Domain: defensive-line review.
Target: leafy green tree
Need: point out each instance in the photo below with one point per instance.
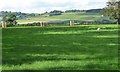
(112, 10)
(10, 19)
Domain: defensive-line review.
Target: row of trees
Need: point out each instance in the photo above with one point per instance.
(55, 12)
(74, 10)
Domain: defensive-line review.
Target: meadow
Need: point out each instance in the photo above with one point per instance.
(80, 47)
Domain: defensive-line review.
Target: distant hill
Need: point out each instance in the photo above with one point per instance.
(74, 10)
(87, 11)
(93, 11)
(19, 15)
(56, 16)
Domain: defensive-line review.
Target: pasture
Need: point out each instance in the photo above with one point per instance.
(60, 47)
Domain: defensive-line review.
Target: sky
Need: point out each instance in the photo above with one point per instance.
(40, 6)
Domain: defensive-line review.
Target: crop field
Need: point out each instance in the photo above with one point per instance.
(79, 47)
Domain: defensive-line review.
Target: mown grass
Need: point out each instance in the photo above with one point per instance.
(60, 47)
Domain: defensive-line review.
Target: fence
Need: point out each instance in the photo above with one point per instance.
(65, 23)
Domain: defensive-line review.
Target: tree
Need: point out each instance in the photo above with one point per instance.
(55, 12)
(112, 10)
(10, 19)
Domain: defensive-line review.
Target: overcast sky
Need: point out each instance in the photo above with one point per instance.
(40, 6)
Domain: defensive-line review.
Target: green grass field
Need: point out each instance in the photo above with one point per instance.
(60, 47)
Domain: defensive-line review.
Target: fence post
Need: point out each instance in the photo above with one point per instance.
(71, 23)
(3, 24)
(41, 24)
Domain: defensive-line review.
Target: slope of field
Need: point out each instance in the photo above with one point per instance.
(64, 16)
(55, 48)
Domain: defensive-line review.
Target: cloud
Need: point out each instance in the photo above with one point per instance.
(47, 5)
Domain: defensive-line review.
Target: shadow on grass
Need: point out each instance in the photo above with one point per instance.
(27, 54)
(86, 67)
(24, 47)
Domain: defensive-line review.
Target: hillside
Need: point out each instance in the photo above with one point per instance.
(82, 16)
(56, 15)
